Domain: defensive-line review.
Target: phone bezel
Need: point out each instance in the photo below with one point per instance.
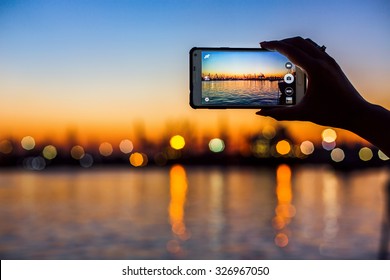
(196, 82)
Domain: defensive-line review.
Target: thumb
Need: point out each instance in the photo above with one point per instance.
(280, 114)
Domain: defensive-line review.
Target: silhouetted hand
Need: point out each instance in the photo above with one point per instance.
(330, 99)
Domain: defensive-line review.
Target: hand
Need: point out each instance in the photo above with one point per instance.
(330, 98)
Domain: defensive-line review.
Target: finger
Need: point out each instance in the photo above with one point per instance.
(322, 49)
(293, 53)
(280, 114)
(306, 45)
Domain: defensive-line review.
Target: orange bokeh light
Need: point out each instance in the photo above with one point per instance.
(283, 147)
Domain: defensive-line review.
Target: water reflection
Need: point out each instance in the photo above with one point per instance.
(284, 210)
(178, 193)
(191, 213)
(330, 198)
(217, 218)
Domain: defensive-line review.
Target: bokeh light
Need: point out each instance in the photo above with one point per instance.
(283, 147)
(307, 147)
(365, 154)
(329, 135)
(105, 149)
(38, 163)
(86, 161)
(6, 147)
(138, 159)
(216, 145)
(178, 191)
(328, 145)
(284, 209)
(337, 155)
(382, 155)
(177, 142)
(269, 132)
(34, 163)
(77, 152)
(261, 148)
(281, 240)
(28, 143)
(278, 222)
(49, 152)
(171, 153)
(126, 146)
(173, 246)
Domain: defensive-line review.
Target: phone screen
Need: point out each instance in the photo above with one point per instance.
(246, 78)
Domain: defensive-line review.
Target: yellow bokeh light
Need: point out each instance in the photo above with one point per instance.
(105, 149)
(77, 152)
(138, 159)
(307, 147)
(382, 155)
(216, 145)
(28, 143)
(49, 152)
(261, 148)
(177, 142)
(126, 146)
(329, 135)
(6, 147)
(365, 154)
(283, 147)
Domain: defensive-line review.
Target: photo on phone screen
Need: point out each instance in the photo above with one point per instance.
(243, 78)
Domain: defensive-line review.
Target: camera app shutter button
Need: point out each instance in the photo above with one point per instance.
(289, 78)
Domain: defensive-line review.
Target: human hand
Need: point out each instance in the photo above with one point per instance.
(330, 98)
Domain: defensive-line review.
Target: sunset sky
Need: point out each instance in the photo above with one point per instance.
(99, 68)
(243, 62)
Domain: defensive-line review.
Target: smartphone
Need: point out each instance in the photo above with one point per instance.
(222, 78)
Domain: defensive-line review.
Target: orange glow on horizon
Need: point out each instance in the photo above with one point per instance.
(236, 125)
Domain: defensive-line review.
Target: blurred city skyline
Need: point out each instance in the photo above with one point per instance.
(100, 69)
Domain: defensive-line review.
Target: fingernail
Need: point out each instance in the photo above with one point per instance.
(265, 45)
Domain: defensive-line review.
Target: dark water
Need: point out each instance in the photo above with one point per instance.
(191, 213)
(241, 92)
